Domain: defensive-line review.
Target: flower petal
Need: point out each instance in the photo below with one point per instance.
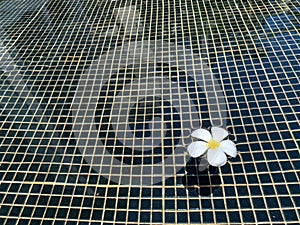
(219, 133)
(229, 148)
(202, 134)
(197, 148)
(216, 157)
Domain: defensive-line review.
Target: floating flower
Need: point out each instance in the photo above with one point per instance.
(213, 145)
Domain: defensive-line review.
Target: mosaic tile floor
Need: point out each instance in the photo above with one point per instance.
(98, 100)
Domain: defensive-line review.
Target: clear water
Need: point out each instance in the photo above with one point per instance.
(253, 51)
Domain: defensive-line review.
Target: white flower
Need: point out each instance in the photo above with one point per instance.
(213, 144)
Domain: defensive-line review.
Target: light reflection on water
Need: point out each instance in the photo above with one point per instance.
(254, 51)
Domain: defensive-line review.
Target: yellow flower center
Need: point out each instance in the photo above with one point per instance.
(212, 144)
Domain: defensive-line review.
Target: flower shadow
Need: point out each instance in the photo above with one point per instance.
(203, 182)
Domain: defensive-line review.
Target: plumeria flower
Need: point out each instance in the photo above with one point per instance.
(212, 145)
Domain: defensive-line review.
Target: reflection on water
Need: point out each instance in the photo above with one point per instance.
(202, 182)
(253, 45)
